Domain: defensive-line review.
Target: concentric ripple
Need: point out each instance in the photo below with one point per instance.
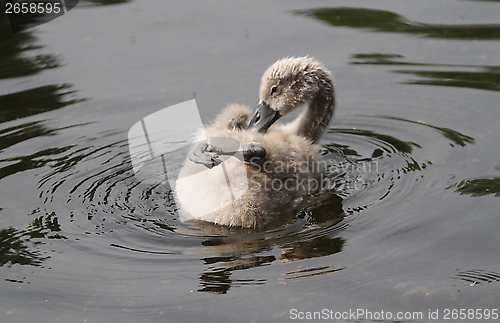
(90, 189)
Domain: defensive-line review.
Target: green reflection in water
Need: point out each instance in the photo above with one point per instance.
(13, 249)
(386, 21)
(36, 100)
(16, 62)
(484, 77)
(45, 227)
(13, 49)
(37, 160)
(52, 156)
(318, 247)
(15, 244)
(14, 135)
(485, 80)
(479, 186)
(390, 145)
(382, 59)
(384, 143)
(343, 150)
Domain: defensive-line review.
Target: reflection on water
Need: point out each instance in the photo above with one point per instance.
(489, 79)
(94, 180)
(218, 280)
(481, 77)
(79, 234)
(14, 135)
(386, 21)
(314, 234)
(310, 272)
(317, 228)
(317, 247)
(478, 276)
(479, 186)
(98, 183)
(13, 50)
(19, 247)
(34, 101)
(14, 249)
(454, 136)
(382, 59)
(316, 231)
(15, 62)
(383, 141)
(235, 256)
(484, 77)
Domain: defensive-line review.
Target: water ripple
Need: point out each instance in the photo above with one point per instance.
(90, 190)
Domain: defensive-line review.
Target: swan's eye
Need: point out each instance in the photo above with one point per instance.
(273, 89)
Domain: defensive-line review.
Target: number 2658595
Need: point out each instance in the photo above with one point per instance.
(33, 8)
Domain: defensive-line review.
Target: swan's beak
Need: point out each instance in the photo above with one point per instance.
(263, 118)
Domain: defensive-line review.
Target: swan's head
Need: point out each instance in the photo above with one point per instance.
(287, 85)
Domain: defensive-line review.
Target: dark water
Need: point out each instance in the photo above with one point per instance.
(410, 222)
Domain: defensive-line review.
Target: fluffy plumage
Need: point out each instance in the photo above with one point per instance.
(292, 163)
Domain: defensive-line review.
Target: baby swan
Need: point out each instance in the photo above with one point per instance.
(280, 163)
(289, 84)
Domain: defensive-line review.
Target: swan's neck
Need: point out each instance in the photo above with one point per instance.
(314, 121)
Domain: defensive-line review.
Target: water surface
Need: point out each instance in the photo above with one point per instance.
(410, 222)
